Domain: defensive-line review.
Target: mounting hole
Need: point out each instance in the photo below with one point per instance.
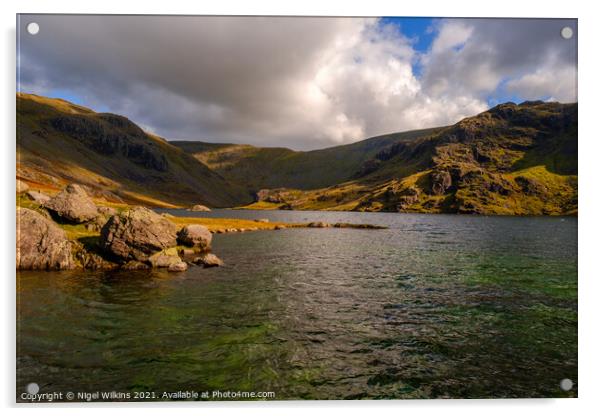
(566, 384)
(32, 388)
(33, 28)
(566, 32)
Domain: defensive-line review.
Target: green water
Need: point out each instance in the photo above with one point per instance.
(435, 306)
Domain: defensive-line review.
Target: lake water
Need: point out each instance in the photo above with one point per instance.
(435, 306)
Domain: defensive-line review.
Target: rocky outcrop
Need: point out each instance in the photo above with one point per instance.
(530, 186)
(200, 208)
(408, 197)
(196, 236)
(275, 196)
(22, 187)
(441, 181)
(38, 197)
(136, 234)
(72, 205)
(41, 244)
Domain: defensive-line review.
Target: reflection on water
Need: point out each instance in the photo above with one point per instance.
(434, 306)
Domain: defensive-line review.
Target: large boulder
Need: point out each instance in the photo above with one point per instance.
(72, 204)
(22, 187)
(41, 244)
(200, 208)
(195, 235)
(136, 234)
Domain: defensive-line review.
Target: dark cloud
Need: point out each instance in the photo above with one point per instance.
(298, 82)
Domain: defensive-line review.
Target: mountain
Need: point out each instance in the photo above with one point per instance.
(511, 159)
(274, 167)
(60, 142)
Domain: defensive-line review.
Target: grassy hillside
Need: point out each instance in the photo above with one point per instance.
(59, 142)
(511, 160)
(273, 167)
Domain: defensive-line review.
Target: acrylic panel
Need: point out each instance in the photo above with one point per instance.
(295, 208)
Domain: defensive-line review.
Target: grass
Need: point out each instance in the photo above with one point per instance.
(222, 224)
(261, 205)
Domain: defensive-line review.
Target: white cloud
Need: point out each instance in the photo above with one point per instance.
(554, 84)
(298, 82)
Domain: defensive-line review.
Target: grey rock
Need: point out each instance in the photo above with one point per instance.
(136, 234)
(41, 244)
(208, 260)
(72, 204)
(195, 235)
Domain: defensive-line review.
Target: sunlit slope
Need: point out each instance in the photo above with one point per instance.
(59, 142)
(510, 160)
(273, 167)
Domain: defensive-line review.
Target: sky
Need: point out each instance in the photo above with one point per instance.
(303, 83)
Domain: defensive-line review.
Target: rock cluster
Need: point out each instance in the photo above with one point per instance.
(134, 239)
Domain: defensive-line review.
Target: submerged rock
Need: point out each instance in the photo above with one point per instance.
(38, 197)
(195, 235)
(41, 244)
(136, 234)
(72, 204)
(208, 260)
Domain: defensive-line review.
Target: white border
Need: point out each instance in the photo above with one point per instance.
(590, 201)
